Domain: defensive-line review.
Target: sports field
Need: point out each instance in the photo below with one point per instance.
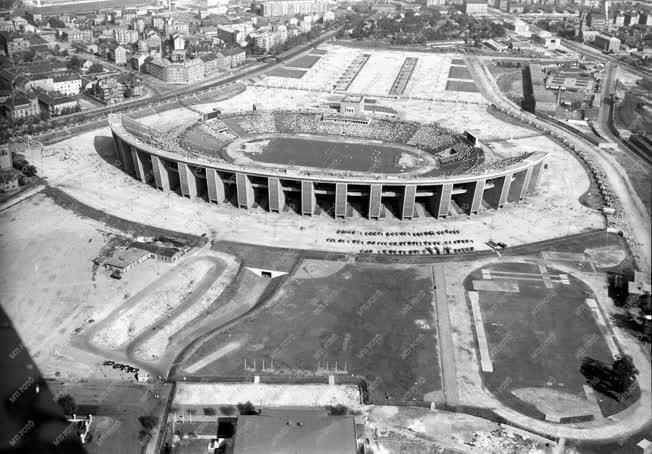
(286, 72)
(374, 320)
(333, 154)
(539, 324)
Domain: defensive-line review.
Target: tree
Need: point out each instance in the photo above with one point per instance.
(148, 421)
(247, 408)
(74, 63)
(227, 410)
(96, 68)
(624, 373)
(28, 170)
(68, 404)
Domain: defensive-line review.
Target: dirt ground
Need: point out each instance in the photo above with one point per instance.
(83, 168)
(266, 395)
(50, 281)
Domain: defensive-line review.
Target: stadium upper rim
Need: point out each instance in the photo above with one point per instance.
(165, 146)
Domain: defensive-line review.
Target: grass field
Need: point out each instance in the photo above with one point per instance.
(378, 320)
(305, 61)
(335, 154)
(631, 114)
(284, 72)
(459, 72)
(538, 336)
(458, 85)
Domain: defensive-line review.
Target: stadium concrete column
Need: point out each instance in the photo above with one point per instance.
(409, 197)
(497, 194)
(478, 193)
(340, 199)
(534, 179)
(308, 198)
(516, 188)
(375, 194)
(245, 190)
(187, 180)
(215, 186)
(275, 194)
(443, 203)
(138, 164)
(526, 182)
(126, 161)
(160, 174)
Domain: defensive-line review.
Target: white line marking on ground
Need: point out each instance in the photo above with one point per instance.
(485, 359)
(206, 360)
(602, 324)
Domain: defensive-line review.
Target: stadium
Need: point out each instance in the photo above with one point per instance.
(330, 160)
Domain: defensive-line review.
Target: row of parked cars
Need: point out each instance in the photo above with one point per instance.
(123, 367)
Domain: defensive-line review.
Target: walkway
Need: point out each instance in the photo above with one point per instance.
(446, 347)
(636, 218)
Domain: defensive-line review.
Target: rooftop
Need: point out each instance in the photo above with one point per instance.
(295, 432)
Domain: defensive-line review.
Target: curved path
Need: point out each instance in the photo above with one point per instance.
(636, 218)
(628, 422)
(124, 352)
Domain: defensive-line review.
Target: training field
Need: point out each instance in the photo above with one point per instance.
(539, 324)
(375, 320)
(429, 80)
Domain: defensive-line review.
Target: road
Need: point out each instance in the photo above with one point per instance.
(90, 116)
(605, 121)
(635, 216)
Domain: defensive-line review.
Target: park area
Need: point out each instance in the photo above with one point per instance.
(333, 318)
(540, 324)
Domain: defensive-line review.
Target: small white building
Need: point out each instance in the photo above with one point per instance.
(546, 39)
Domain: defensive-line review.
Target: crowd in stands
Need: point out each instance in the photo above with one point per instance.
(430, 138)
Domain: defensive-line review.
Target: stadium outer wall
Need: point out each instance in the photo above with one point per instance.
(246, 187)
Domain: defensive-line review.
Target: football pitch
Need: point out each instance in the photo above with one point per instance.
(357, 322)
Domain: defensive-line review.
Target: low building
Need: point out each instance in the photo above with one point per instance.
(20, 107)
(55, 104)
(76, 34)
(5, 157)
(161, 252)
(282, 432)
(212, 64)
(236, 56)
(178, 41)
(108, 90)
(118, 54)
(124, 260)
(67, 84)
(154, 42)
(546, 39)
(606, 43)
(12, 43)
(125, 36)
(597, 21)
(475, 7)
(138, 61)
(570, 81)
(495, 45)
(187, 72)
(9, 179)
